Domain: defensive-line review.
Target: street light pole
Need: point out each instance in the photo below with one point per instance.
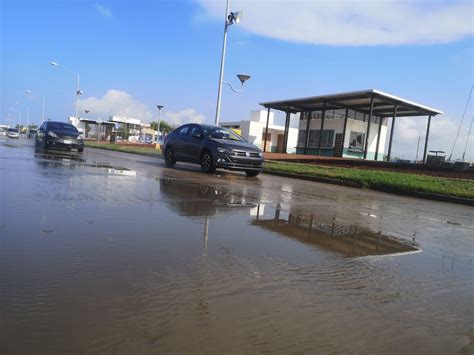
(230, 19)
(78, 90)
(28, 92)
(159, 107)
(42, 113)
(221, 74)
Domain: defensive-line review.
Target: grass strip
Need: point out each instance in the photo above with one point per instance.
(403, 183)
(152, 152)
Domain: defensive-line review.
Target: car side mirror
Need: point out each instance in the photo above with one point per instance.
(197, 135)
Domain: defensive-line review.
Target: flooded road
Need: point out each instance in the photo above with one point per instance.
(112, 253)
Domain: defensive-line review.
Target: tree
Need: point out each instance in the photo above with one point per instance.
(165, 127)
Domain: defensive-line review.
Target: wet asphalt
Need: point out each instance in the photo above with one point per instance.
(113, 253)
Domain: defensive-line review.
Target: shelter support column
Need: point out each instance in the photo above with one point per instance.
(266, 131)
(285, 137)
(426, 139)
(306, 139)
(368, 127)
(323, 116)
(378, 139)
(344, 130)
(395, 109)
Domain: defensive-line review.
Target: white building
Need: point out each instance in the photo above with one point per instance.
(253, 131)
(90, 127)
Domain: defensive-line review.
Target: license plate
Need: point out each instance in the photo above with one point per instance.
(67, 141)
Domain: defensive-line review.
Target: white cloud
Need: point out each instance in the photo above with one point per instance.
(187, 115)
(103, 11)
(350, 22)
(121, 103)
(118, 103)
(442, 134)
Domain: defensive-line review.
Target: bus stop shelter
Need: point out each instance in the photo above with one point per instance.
(374, 103)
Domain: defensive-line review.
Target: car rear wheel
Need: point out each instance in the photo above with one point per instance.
(169, 158)
(207, 163)
(252, 173)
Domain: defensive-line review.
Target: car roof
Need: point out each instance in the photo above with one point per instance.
(61, 122)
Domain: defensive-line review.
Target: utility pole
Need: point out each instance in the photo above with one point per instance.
(467, 139)
(417, 148)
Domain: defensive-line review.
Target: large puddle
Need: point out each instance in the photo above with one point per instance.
(102, 255)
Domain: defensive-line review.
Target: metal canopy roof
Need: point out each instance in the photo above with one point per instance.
(358, 101)
(89, 120)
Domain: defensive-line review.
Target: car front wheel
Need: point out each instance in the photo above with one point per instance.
(169, 158)
(252, 173)
(207, 163)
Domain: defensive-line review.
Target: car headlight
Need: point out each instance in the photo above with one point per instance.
(224, 150)
(80, 136)
(52, 134)
(260, 154)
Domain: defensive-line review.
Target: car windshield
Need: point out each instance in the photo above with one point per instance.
(221, 133)
(13, 130)
(58, 126)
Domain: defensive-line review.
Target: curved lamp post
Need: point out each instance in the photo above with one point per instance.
(78, 90)
(230, 19)
(159, 107)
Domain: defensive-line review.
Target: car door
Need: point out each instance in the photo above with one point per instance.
(179, 142)
(194, 144)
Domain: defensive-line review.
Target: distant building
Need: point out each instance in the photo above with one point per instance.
(90, 127)
(253, 131)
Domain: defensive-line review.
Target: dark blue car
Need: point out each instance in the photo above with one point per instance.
(212, 147)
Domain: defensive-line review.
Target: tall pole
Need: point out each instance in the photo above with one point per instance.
(417, 149)
(426, 139)
(77, 97)
(159, 107)
(467, 139)
(159, 119)
(368, 127)
(42, 113)
(27, 119)
(221, 75)
(266, 133)
(395, 109)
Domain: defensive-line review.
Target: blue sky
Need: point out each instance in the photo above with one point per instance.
(132, 55)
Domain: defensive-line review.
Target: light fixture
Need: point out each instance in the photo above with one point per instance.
(243, 78)
(234, 17)
(54, 64)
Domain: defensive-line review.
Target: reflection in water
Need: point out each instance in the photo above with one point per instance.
(71, 159)
(350, 240)
(197, 199)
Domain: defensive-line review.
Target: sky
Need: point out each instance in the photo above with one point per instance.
(133, 55)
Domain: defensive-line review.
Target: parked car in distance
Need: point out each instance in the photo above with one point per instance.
(13, 133)
(212, 147)
(62, 135)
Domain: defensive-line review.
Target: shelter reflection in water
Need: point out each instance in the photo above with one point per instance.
(202, 200)
(349, 240)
